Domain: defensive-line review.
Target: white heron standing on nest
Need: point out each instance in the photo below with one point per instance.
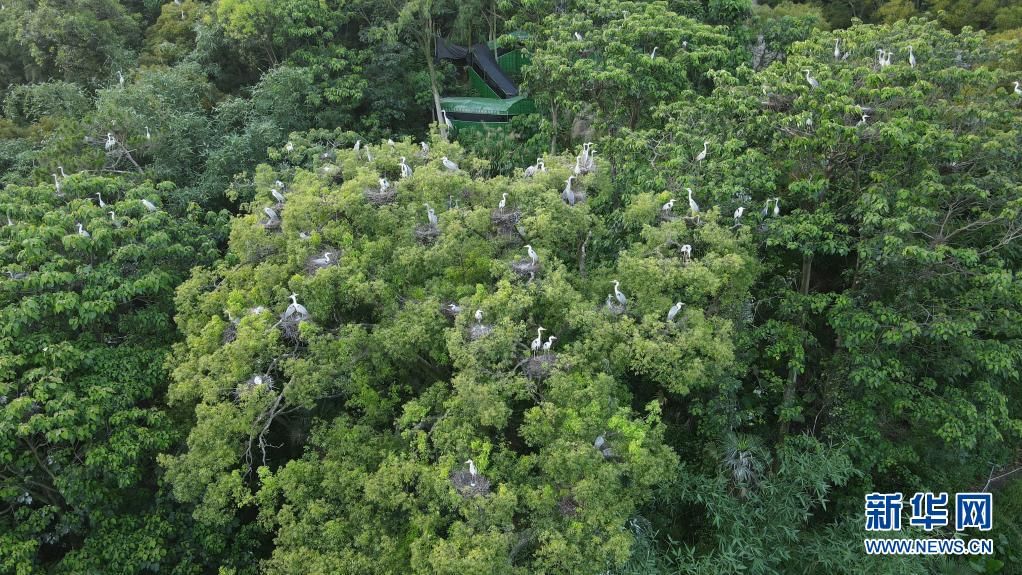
(538, 342)
(449, 165)
(618, 295)
(692, 205)
(532, 254)
(673, 312)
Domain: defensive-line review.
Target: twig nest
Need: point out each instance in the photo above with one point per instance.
(539, 366)
(526, 269)
(450, 309)
(469, 485)
(506, 220)
(567, 506)
(230, 333)
(270, 224)
(330, 171)
(779, 102)
(253, 383)
(329, 256)
(427, 233)
(666, 216)
(260, 253)
(614, 308)
(290, 330)
(479, 331)
(378, 197)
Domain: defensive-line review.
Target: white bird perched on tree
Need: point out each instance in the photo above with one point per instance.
(295, 310)
(424, 149)
(766, 208)
(289, 147)
(692, 205)
(431, 215)
(61, 170)
(447, 121)
(578, 36)
(738, 214)
(911, 57)
(111, 142)
(812, 81)
(479, 316)
(686, 252)
(148, 205)
(538, 342)
(652, 55)
(449, 165)
(406, 170)
(56, 185)
(862, 121)
(667, 207)
(472, 471)
(549, 343)
(324, 260)
(618, 295)
(1018, 88)
(113, 220)
(357, 146)
(532, 254)
(837, 49)
(148, 134)
(384, 185)
(81, 231)
(503, 202)
(277, 195)
(673, 312)
(702, 155)
(569, 194)
(99, 199)
(120, 79)
(777, 207)
(535, 168)
(272, 215)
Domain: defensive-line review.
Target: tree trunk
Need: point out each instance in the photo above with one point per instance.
(553, 126)
(427, 48)
(789, 390)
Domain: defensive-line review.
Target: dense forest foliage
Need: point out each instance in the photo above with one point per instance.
(260, 312)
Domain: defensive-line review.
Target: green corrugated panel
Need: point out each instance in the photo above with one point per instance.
(479, 86)
(512, 62)
(488, 106)
(465, 126)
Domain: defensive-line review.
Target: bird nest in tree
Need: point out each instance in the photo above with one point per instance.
(568, 506)
(614, 308)
(779, 102)
(469, 485)
(272, 225)
(479, 331)
(447, 311)
(526, 269)
(539, 366)
(506, 220)
(289, 328)
(321, 259)
(427, 233)
(261, 253)
(230, 333)
(378, 197)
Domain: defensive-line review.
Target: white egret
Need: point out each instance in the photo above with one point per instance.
(549, 343)
(766, 208)
(738, 214)
(447, 121)
(425, 149)
(568, 193)
(862, 122)
(702, 155)
(471, 468)
(837, 49)
(148, 134)
(673, 312)
(120, 79)
(357, 146)
(406, 170)
(692, 205)
(111, 142)
(503, 202)
(10, 222)
(532, 254)
(538, 342)
(652, 55)
(56, 184)
(686, 252)
(62, 174)
(1018, 88)
(431, 215)
(148, 205)
(621, 299)
(812, 81)
(578, 36)
(102, 204)
(777, 207)
(911, 57)
(455, 308)
(667, 207)
(82, 232)
(542, 166)
(113, 220)
(289, 147)
(384, 185)
(449, 165)
(272, 215)
(479, 316)
(277, 195)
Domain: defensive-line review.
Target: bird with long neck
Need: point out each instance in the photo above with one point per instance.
(692, 205)
(621, 299)
(538, 342)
